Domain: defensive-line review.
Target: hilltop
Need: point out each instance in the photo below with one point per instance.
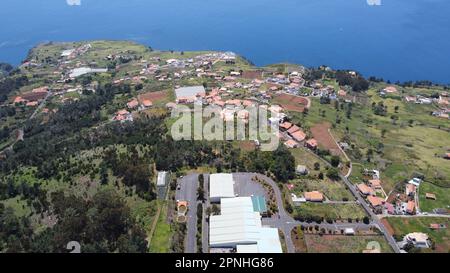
(89, 123)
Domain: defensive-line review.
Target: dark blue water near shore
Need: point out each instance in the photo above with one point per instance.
(397, 40)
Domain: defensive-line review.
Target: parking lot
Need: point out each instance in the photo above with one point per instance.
(244, 186)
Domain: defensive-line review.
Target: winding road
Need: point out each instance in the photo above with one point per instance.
(283, 221)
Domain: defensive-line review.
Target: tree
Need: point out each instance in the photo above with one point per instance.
(335, 160)
(320, 176)
(366, 220)
(333, 173)
(316, 166)
(215, 209)
(200, 194)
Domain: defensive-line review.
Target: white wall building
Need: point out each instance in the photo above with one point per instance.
(221, 185)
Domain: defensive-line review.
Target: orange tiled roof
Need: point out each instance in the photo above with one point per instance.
(286, 125)
(375, 201)
(312, 142)
(299, 135)
(314, 196)
(364, 189)
(293, 129)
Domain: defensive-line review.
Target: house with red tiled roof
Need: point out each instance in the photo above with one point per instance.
(375, 202)
(147, 103)
(291, 144)
(410, 207)
(314, 196)
(18, 99)
(285, 125)
(410, 189)
(311, 144)
(375, 183)
(298, 135)
(365, 190)
(390, 89)
(293, 129)
(133, 104)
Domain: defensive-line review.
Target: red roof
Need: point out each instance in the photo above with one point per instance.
(410, 206)
(286, 125)
(312, 142)
(299, 135)
(375, 201)
(293, 129)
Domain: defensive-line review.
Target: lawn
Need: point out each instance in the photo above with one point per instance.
(343, 243)
(332, 211)
(442, 197)
(402, 226)
(306, 158)
(333, 190)
(402, 151)
(161, 237)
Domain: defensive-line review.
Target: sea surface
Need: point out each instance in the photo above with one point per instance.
(394, 39)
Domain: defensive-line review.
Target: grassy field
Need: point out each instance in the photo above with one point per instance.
(161, 238)
(343, 243)
(298, 239)
(332, 211)
(401, 150)
(442, 197)
(306, 158)
(402, 226)
(333, 190)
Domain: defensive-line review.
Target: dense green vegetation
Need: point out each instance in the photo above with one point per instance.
(78, 175)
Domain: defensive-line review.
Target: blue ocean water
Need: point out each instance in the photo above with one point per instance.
(397, 40)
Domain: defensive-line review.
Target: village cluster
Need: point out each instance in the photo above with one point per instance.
(232, 90)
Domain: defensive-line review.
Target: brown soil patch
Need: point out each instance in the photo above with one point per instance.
(292, 103)
(252, 75)
(323, 137)
(388, 226)
(153, 96)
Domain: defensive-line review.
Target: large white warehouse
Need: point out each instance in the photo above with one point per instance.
(239, 226)
(221, 185)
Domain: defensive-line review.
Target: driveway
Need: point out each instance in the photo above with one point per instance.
(188, 192)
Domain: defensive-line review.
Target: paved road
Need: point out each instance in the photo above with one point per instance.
(414, 216)
(286, 223)
(373, 216)
(375, 219)
(188, 192)
(282, 219)
(205, 224)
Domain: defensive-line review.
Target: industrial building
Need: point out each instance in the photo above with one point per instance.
(189, 94)
(239, 226)
(221, 185)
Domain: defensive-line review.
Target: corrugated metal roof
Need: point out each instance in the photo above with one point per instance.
(221, 185)
(239, 224)
(162, 179)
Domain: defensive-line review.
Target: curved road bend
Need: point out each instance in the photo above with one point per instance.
(285, 222)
